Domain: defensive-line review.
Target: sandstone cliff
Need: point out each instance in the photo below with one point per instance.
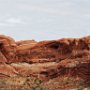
(45, 59)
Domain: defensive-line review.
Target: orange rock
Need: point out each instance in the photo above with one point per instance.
(45, 59)
(7, 70)
(2, 58)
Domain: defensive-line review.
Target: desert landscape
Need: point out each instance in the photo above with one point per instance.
(62, 64)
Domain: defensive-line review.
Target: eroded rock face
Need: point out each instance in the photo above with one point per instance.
(7, 70)
(46, 59)
(2, 58)
(7, 47)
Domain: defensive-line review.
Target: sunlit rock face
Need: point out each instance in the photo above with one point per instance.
(45, 59)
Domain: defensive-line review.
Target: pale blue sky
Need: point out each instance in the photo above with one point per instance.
(44, 19)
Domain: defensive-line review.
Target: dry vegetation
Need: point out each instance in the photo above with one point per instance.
(32, 83)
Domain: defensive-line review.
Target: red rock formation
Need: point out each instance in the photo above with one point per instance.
(2, 58)
(7, 47)
(47, 59)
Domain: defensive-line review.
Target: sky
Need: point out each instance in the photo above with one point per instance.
(44, 19)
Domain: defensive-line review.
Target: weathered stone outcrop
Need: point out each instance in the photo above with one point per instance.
(46, 59)
(2, 58)
(7, 47)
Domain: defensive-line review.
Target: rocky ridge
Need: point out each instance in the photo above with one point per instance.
(45, 59)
